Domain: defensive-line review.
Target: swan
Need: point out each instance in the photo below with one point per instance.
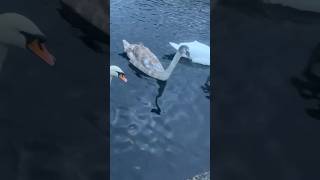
(142, 58)
(199, 52)
(115, 71)
(18, 31)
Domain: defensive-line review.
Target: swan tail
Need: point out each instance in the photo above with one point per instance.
(126, 45)
(174, 45)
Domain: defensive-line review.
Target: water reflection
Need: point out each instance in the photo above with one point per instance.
(57, 141)
(161, 84)
(206, 88)
(308, 85)
(94, 39)
(91, 36)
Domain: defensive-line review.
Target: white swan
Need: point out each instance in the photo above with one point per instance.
(115, 71)
(19, 31)
(199, 52)
(142, 58)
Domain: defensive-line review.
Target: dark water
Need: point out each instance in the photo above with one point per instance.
(267, 92)
(159, 130)
(52, 118)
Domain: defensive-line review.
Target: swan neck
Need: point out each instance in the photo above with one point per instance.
(173, 63)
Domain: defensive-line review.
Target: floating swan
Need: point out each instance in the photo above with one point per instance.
(18, 31)
(115, 71)
(199, 53)
(142, 58)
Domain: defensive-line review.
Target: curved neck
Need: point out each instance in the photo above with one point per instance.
(173, 64)
(110, 78)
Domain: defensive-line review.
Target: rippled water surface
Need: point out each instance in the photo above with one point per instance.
(159, 130)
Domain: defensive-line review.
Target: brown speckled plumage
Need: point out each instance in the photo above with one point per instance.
(142, 58)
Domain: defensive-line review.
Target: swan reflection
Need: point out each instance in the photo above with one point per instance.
(308, 84)
(206, 88)
(161, 85)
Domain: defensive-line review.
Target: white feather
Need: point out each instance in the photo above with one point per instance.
(199, 52)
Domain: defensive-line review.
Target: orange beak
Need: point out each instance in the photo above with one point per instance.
(123, 77)
(40, 50)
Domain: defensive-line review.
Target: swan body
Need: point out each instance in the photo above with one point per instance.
(115, 71)
(19, 31)
(142, 58)
(199, 52)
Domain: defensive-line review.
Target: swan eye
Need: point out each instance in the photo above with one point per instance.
(120, 74)
(31, 37)
(188, 53)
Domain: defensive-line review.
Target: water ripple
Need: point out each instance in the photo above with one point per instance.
(155, 126)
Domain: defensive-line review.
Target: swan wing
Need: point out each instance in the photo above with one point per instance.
(200, 45)
(199, 52)
(201, 60)
(174, 45)
(149, 64)
(147, 59)
(150, 61)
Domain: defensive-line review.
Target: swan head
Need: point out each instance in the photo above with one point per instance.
(19, 31)
(115, 71)
(184, 51)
